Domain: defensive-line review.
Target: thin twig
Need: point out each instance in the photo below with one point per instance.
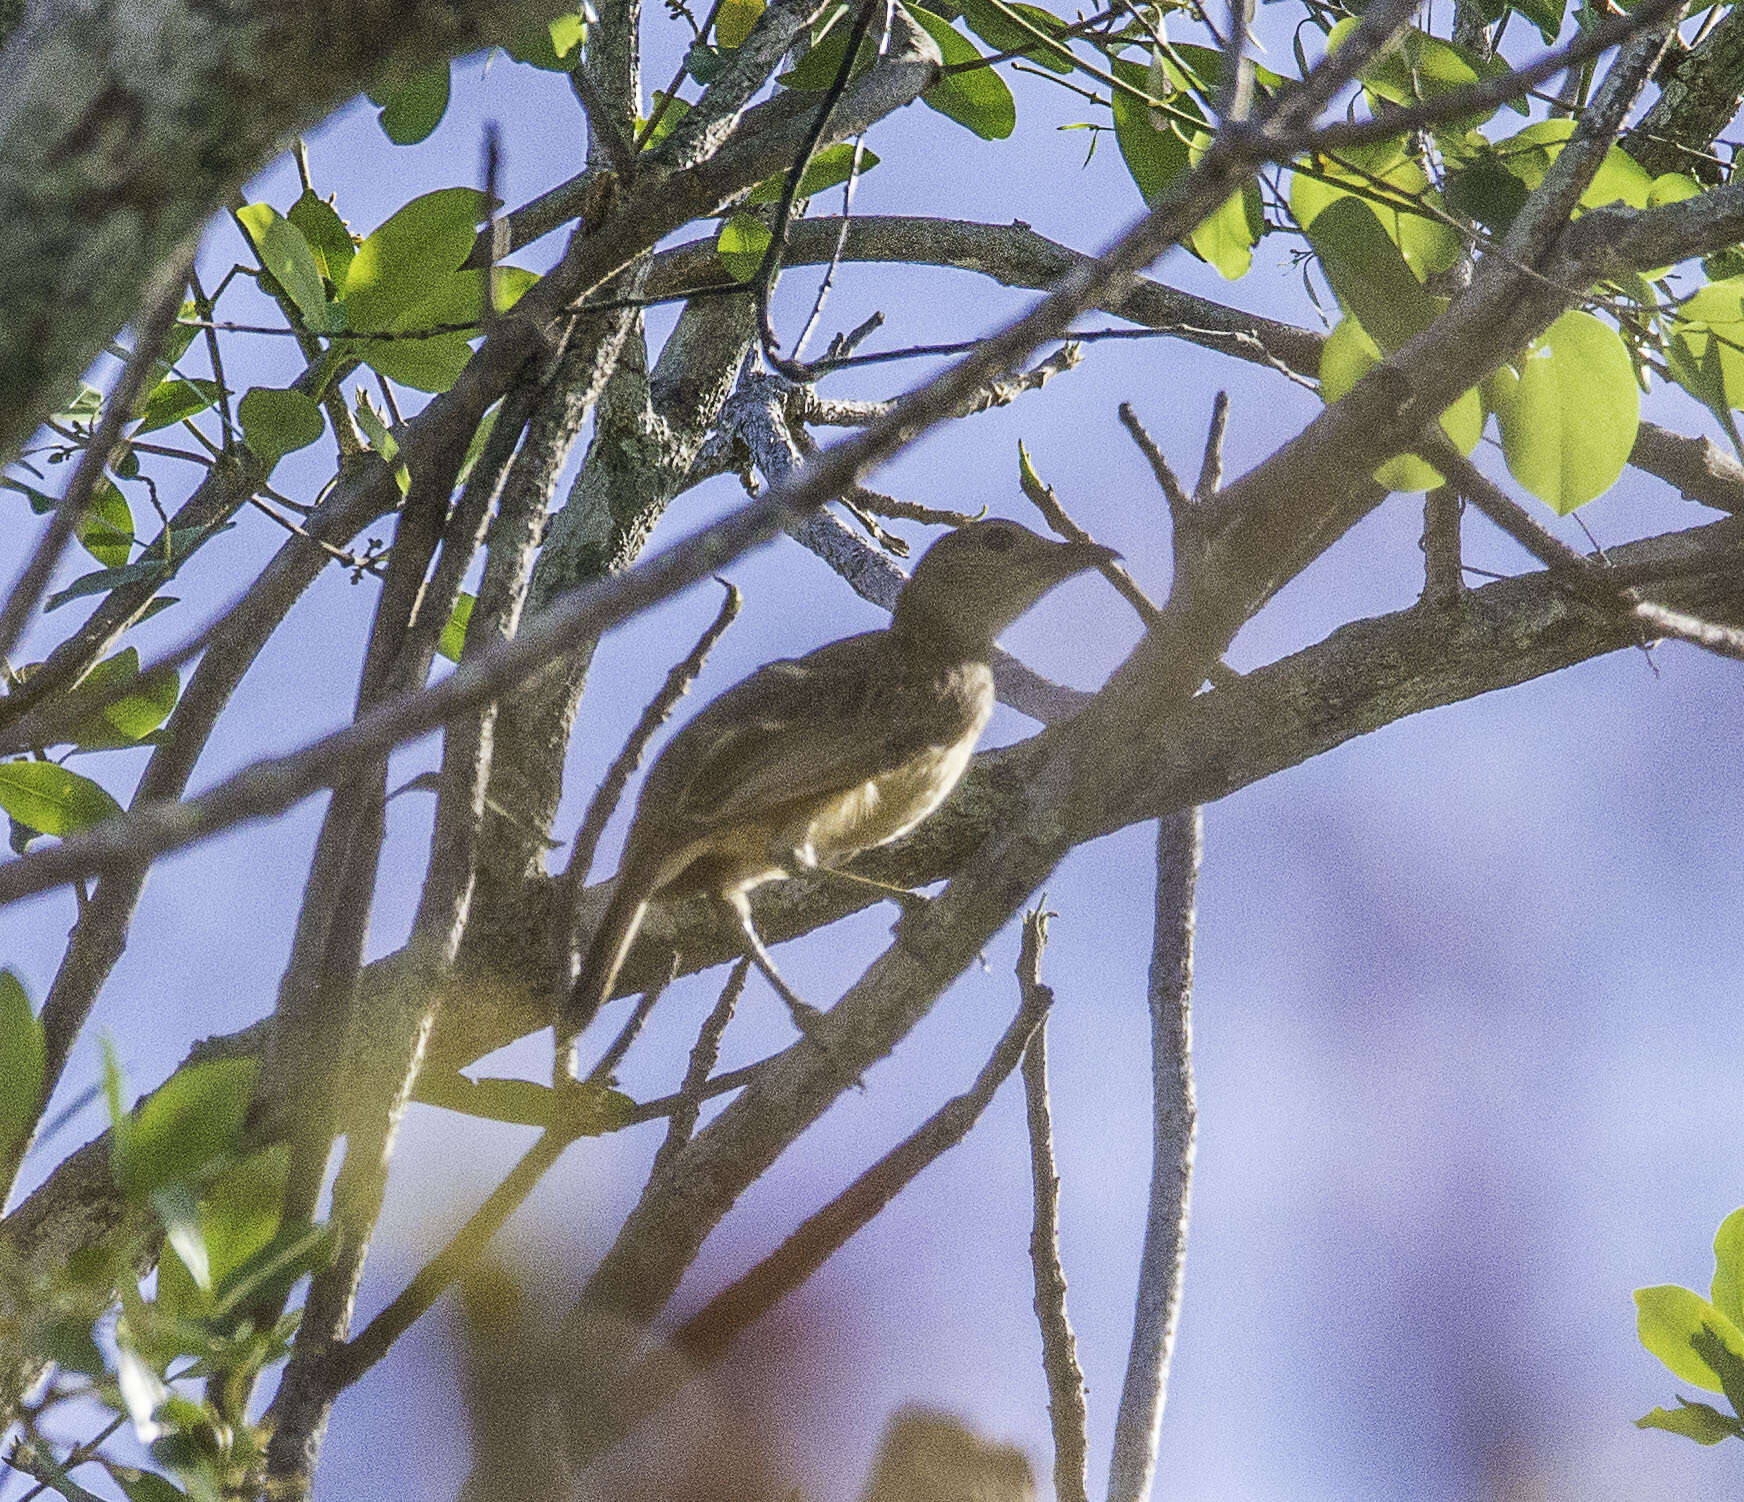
(1067, 1409)
(606, 1068)
(687, 1103)
(1180, 504)
(1044, 499)
(118, 411)
(1211, 465)
(708, 1333)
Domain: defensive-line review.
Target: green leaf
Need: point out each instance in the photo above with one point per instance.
(173, 400)
(1003, 34)
(180, 335)
(1391, 183)
(125, 720)
(188, 1129)
(555, 47)
(741, 245)
(1697, 1421)
(86, 407)
(105, 530)
(381, 440)
(106, 579)
(1346, 357)
(1572, 421)
(52, 800)
(669, 118)
(1727, 1289)
(432, 364)
(818, 68)
(1546, 15)
(41, 502)
(179, 1213)
(453, 639)
(1154, 145)
(277, 423)
(734, 20)
(977, 99)
(287, 255)
(1672, 187)
(147, 1486)
(328, 239)
(825, 170)
(1487, 192)
(1226, 237)
(393, 268)
(21, 1046)
(1668, 1317)
(1529, 152)
(416, 108)
(1369, 274)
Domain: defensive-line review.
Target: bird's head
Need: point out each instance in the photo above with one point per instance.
(974, 582)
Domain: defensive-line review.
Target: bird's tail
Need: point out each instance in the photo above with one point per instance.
(604, 959)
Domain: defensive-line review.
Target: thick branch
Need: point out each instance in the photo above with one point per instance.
(123, 128)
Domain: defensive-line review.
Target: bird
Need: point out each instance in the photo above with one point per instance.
(811, 760)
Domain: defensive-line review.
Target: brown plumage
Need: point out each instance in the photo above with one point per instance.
(810, 761)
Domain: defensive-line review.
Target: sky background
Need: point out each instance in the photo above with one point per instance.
(1466, 1044)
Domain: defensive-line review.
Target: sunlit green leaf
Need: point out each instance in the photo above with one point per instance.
(287, 255)
(393, 268)
(21, 1046)
(741, 244)
(328, 239)
(826, 169)
(1697, 1421)
(174, 400)
(1369, 274)
(1667, 1317)
(277, 422)
(977, 98)
(105, 530)
(554, 46)
(124, 720)
(1398, 193)
(1347, 356)
(1727, 1289)
(52, 800)
(453, 638)
(734, 20)
(1572, 421)
(188, 1128)
(85, 408)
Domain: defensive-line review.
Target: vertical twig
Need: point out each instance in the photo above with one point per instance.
(1211, 465)
(118, 411)
(703, 1054)
(1067, 1408)
(1443, 581)
(1173, 1128)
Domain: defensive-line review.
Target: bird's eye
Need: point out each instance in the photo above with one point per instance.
(1000, 539)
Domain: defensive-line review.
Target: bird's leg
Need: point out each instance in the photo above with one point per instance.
(805, 1016)
(908, 901)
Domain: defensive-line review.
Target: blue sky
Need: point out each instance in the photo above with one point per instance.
(1467, 986)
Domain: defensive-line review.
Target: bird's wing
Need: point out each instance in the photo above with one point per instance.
(794, 731)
